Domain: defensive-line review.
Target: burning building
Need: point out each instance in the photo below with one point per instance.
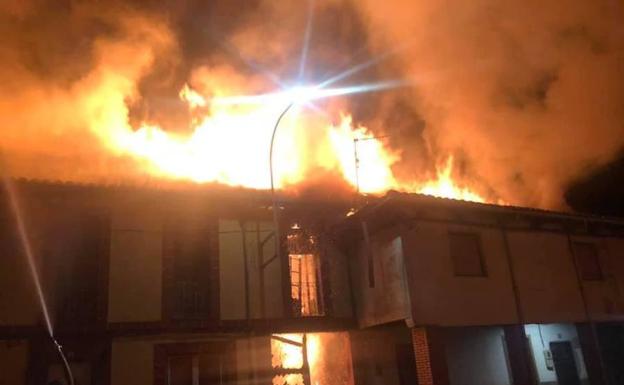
(484, 294)
(175, 287)
(165, 286)
(143, 131)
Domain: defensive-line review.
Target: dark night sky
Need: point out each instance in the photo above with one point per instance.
(602, 192)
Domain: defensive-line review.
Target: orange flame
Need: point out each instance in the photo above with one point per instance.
(229, 144)
(285, 355)
(328, 358)
(445, 187)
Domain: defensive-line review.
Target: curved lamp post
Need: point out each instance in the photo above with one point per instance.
(278, 246)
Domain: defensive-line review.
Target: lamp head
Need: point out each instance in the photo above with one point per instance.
(302, 94)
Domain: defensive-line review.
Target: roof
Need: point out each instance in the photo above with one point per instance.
(395, 207)
(207, 192)
(399, 202)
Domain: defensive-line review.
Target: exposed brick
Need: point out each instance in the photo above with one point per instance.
(430, 357)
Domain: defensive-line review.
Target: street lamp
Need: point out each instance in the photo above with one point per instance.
(297, 95)
(278, 246)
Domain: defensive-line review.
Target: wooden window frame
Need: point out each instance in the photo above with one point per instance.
(95, 351)
(163, 351)
(96, 319)
(168, 274)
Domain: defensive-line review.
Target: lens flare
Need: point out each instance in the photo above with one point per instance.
(303, 94)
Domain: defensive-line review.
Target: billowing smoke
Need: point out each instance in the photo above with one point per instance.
(525, 95)
(528, 95)
(79, 73)
(70, 72)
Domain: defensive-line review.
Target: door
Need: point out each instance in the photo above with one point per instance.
(195, 369)
(206, 363)
(406, 364)
(565, 366)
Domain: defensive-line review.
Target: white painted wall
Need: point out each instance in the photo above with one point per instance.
(132, 362)
(438, 297)
(253, 357)
(387, 301)
(605, 298)
(232, 267)
(546, 277)
(476, 356)
(549, 333)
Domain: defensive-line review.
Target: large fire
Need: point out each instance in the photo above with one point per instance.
(229, 143)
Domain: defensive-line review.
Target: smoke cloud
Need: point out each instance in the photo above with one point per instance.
(526, 96)
(71, 73)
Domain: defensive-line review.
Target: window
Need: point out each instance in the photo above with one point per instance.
(193, 369)
(190, 269)
(587, 261)
(465, 249)
(73, 247)
(303, 284)
(194, 363)
(89, 359)
(303, 261)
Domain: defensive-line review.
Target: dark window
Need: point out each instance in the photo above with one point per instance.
(74, 248)
(89, 359)
(466, 255)
(587, 261)
(195, 364)
(190, 269)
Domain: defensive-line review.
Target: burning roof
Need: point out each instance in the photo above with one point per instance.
(396, 208)
(490, 101)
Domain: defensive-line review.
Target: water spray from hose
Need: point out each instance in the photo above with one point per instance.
(27, 248)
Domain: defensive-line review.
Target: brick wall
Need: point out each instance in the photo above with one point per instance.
(430, 356)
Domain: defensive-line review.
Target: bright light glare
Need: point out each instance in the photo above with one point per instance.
(301, 94)
(305, 94)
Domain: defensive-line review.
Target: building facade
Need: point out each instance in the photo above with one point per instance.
(185, 286)
(485, 294)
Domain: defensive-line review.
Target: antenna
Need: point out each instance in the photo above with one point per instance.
(357, 158)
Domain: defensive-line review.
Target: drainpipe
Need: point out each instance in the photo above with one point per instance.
(261, 271)
(520, 314)
(512, 274)
(245, 270)
(590, 319)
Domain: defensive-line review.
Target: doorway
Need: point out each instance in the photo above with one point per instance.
(565, 366)
(406, 364)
